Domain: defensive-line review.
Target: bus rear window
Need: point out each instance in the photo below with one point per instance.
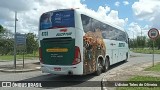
(57, 19)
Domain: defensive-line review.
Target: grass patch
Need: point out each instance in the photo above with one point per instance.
(155, 68)
(26, 56)
(144, 78)
(146, 51)
(141, 78)
(138, 88)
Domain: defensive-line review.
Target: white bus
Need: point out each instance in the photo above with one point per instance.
(72, 42)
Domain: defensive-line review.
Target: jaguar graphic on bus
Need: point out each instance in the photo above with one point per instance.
(72, 42)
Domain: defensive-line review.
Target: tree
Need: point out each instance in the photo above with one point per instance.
(6, 41)
(141, 41)
(157, 43)
(6, 46)
(2, 30)
(150, 43)
(31, 43)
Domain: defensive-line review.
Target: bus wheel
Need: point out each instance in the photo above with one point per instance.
(126, 57)
(99, 68)
(106, 65)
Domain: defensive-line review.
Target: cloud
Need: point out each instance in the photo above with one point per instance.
(134, 30)
(6, 14)
(148, 10)
(110, 17)
(29, 11)
(113, 18)
(18, 5)
(103, 10)
(125, 3)
(117, 4)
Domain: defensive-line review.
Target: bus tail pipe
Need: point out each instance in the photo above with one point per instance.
(70, 73)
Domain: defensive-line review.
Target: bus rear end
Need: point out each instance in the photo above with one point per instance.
(58, 51)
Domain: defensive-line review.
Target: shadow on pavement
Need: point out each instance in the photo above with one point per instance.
(54, 81)
(117, 64)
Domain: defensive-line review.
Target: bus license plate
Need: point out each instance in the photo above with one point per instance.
(57, 69)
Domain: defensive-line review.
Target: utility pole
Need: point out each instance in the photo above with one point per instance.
(141, 39)
(15, 41)
(141, 32)
(133, 39)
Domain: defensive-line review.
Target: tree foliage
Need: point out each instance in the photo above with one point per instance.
(7, 42)
(1, 29)
(157, 42)
(6, 46)
(31, 43)
(142, 42)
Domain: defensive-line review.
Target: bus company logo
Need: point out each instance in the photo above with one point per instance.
(6, 84)
(64, 34)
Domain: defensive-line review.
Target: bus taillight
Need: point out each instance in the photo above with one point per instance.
(40, 54)
(77, 56)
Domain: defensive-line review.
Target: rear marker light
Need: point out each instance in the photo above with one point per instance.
(63, 30)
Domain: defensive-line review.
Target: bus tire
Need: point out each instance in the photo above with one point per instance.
(99, 68)
(106, 65)
(126, 57)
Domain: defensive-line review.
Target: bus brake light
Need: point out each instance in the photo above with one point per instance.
(77, 56)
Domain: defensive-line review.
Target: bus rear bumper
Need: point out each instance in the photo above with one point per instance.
(63, 70)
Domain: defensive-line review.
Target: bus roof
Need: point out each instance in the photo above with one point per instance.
(80, 11)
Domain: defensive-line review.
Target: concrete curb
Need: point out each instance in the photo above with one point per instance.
(103, 85)
(18, 71)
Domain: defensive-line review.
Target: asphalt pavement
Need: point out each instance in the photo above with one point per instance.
(29, 65)
(136, 58)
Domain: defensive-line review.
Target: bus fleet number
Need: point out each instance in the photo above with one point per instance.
(44, 33)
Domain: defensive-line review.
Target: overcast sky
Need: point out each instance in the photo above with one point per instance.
(132, 15)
